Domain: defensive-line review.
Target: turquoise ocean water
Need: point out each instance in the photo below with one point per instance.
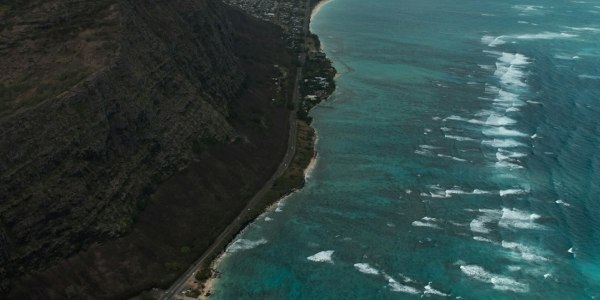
(459, 157)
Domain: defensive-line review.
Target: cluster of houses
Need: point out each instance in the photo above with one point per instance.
(289, 14)
(318, 85)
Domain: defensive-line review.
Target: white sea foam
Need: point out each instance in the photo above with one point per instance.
(493, 41)
(487, 67)
(514, 268)
(438, 194)
(491, 89)
(428, 147)
(503, 143)
(500, 282)
(458, 118)
(452, 157)
(280, 205)
(507, 99)
(587, 76)
(506, 96)
(432, 291)
(508, 192)
(482, 239)
(527, 8)
(504, 283)
(480, 192)
(565, 57)
(268, 219)
(532, 257)
(479, 224)
(515, 59)
(451, 192)
(509, 69)
(504, 162)
(508, 165)
(503, 154)
(366, 269)
(454, 117)
(395, 286)
(425, 224)
(510, 75)
(459, 262)
(503, 131)
(499, 120)
(562, 203)
(424, 152)
(526, 252)
(484, 113)
(460, 138)
(593, 29)
(323, 256)
(310, 168)
(406, 278)
(513, 218)
(545, 36)
(244, 244)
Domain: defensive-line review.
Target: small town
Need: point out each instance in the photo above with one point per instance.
(288, 14)
(317, 82)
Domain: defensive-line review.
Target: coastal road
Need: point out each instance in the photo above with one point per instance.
(233, 228)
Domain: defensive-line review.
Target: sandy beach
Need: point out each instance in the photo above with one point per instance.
(208, 285)
(315, 11)
(318, 7)
(310, 167)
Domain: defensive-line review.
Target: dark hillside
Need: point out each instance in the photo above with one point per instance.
(131, 133)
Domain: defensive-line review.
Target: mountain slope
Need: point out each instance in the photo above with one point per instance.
(102, 101)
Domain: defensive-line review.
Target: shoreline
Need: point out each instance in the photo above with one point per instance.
(207, 286)
(317, 8)
(315, 11)
(205, 283)
(311, 166)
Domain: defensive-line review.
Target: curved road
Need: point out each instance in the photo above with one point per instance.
(233, 228)
(236, 225)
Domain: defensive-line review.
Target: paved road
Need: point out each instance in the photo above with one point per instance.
(236, 226)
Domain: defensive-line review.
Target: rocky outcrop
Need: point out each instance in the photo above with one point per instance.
(101, 101)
